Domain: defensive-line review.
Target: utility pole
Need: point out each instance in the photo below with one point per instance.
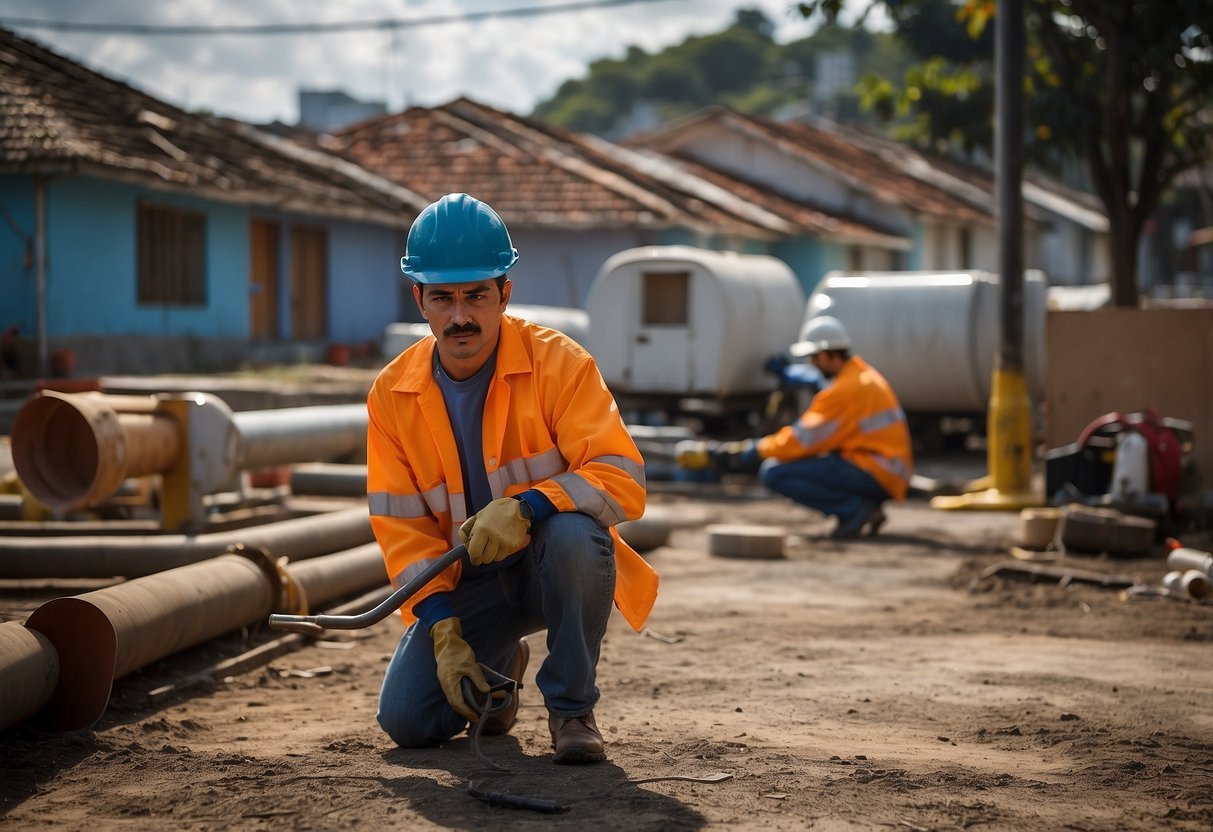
(1009, 420)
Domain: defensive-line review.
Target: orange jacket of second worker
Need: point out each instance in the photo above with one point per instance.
(549, 423)
(857, 417)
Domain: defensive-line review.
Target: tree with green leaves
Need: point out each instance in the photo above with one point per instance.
(740, 67)
(1125, 86)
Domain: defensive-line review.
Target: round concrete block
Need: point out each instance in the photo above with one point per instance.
(1038, 526)
(646, 533)
(738, 541)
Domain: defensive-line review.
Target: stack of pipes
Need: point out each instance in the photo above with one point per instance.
(57, 669)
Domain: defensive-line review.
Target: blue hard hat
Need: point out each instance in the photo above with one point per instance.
(458, 239)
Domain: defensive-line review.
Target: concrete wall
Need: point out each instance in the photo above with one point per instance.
(1127, 360)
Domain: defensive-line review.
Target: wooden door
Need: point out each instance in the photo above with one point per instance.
(309, 283)
(263, 280)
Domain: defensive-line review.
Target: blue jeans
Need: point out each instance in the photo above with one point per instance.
(828, 484)
(564, 582)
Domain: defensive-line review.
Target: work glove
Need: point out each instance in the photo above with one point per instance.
(456, 660)
(740, 457)
(495, 532)
(692, 455)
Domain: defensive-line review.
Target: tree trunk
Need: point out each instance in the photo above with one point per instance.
(1124, 236)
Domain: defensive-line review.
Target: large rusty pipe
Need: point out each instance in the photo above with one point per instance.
(75, 449)
(29, 671)
(300, 434)
(107, 556)
(103, 635)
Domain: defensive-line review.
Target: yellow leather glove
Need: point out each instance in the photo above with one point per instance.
(455, 660)
(495, 532)
(692, 455)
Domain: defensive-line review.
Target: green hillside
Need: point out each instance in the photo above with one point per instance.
(741, 67)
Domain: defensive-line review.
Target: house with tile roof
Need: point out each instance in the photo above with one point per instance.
(151, 239)
(571, 201)
(945, 208)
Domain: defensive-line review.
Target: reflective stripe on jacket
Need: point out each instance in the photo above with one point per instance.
(549, 423)
(857, 417)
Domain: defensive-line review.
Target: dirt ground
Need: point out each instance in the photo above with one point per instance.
(849, 686)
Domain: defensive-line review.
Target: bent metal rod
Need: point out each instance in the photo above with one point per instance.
(497, 700)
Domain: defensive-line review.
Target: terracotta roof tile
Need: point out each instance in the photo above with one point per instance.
(531, 173)
(837, 153)
(60, 117)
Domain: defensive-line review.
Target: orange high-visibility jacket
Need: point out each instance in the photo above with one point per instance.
(549, 423)
(857, 417)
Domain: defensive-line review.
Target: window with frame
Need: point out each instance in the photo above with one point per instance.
(171, 256)
(667, 299)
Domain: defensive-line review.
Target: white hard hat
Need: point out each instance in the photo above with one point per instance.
(821, 333)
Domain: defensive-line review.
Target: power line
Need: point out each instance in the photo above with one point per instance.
(396, 23)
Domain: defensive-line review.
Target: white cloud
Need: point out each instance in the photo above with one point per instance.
(512, 63)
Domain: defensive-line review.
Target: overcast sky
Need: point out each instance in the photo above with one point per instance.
(511, 63)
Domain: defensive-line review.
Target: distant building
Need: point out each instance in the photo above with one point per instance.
(324, 111)
(835, 72)
(175, 242)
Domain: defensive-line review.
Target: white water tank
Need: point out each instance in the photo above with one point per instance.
(934, 335)
(679, 320)
(573, 322)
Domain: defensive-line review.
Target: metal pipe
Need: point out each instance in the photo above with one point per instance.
(1184, 559)
(103, 635)
(336, 576)
(75, 449)
(158, 615)
(135, 556)
(29, 671)
(329, 480)
(300, 434)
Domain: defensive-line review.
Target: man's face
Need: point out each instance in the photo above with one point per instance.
(828, 363)
(466, 320)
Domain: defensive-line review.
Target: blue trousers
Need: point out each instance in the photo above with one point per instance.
(564, 583)
(828, 484)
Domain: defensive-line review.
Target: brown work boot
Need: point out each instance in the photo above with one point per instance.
(575, 740)
(875, 520)
(504, 721)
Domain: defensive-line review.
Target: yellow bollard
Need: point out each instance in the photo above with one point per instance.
(1008, 452)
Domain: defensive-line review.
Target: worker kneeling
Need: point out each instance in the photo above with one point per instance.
(844, 457)
(502, 435)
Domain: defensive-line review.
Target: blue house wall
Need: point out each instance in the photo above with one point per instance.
(91, 276)
(809, 259)
(18, 292)
(365, 286)
(91, 263)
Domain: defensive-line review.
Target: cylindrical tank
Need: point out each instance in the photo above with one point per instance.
(685, 321)
(574, 323)
(933, 335)
(399, 337)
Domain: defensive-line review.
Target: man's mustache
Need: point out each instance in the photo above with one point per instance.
(464, 329)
